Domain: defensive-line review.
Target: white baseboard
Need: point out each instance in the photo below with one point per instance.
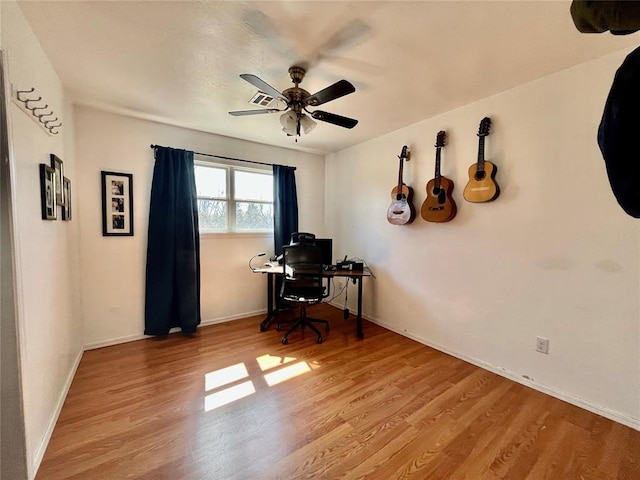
(606, 412)
(140, 336)
(54, 418)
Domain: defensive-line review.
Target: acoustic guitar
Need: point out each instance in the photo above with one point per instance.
(439, 205)
(401, 210)
(482, 186)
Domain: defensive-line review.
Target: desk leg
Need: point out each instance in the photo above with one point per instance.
(271, 311)
(359, 331)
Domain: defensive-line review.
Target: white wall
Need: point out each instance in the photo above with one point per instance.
(113, 268)
(50, 326)
(553, 256)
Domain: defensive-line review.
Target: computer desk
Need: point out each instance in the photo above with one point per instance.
(272, 310)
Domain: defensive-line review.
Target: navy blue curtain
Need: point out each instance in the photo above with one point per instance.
(285, 214)
(172, 294)
(285, 206)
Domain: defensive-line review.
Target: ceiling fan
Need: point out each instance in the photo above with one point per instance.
(297, 100)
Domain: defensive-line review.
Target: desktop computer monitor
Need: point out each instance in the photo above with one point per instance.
(326, 245)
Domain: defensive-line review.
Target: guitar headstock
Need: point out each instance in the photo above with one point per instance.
(485, 125)
(441, 138)
(404, 155)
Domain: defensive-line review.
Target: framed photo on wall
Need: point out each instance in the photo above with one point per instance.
(48, 192)
(56, 164)
(66, 208)
(117, 204)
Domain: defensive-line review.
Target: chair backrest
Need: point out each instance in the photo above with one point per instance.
(302, 265)
(302, 238)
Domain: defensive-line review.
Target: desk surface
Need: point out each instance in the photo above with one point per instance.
(325, 273)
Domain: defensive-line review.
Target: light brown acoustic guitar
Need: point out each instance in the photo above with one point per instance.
(482, 186)
(401, 210)
(439, 205)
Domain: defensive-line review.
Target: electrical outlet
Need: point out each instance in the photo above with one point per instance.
(542, 345)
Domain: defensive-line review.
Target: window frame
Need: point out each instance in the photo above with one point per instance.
(231, 201)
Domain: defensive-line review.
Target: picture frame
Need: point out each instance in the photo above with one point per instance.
(117, 204)
(48, 192)
(56, 164)
(66, 208)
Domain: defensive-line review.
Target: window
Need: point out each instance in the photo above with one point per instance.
(234, 199)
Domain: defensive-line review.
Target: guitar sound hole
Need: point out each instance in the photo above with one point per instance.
(436, 191)
(480, 175)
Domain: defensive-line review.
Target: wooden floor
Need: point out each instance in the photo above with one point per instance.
(381, 408)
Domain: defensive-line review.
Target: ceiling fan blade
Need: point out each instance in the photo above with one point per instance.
(339, 120)
(337, 90)
(262, 85)
(241, 113)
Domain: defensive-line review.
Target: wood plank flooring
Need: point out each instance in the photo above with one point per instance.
(380, 408)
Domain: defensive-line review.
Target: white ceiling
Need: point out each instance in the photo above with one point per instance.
(179, 61)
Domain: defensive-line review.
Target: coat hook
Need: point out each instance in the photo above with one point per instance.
(26, 103)
(50, 121)
(51, 130)
(18, 92)
(33, 111)
(43, 115)
(52, 126)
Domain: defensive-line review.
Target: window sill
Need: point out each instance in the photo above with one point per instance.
(212, 235)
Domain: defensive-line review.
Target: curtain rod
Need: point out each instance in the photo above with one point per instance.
(231, 158)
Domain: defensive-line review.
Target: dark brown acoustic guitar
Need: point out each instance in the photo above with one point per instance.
(439, 205)
(482, 186)
(401, 210)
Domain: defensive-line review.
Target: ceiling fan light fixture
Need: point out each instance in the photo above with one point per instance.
(289, 122)
(307, 123)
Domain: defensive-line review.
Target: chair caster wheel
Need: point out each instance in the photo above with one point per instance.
(319, 340)
(277, 328)
(262, 328)
(285, 340)
(326, 328)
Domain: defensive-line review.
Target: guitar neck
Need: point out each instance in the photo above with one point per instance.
(400, 175)
(481, 154)
(437, 172)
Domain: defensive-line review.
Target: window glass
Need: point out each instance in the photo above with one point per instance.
(253, 186)
(211, 182)
(212, 215)
(232, 199)
(254, 216)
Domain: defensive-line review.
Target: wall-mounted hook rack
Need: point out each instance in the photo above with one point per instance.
(29, 102)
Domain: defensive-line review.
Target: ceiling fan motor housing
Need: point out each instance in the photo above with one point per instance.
(296, 74)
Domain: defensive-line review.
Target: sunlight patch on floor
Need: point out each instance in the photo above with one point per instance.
(228, 395)
(225, 380)
(268, 361)
(225, 376)
(286, 373)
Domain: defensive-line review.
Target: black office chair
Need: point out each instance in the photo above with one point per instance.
(302, 285)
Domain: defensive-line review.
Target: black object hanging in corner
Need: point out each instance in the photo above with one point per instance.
(620, 17)
(172, 292)
(618, 135)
